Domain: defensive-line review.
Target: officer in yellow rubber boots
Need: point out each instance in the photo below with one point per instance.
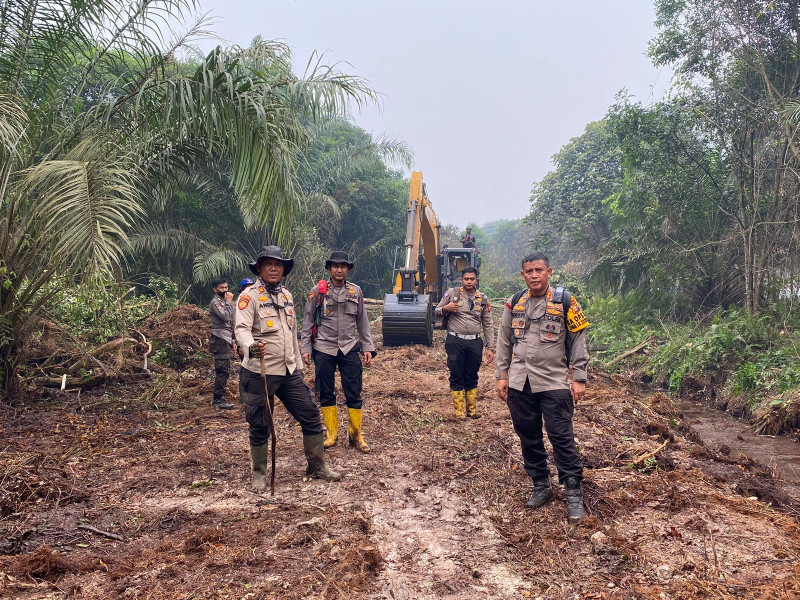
(542, 331)
(265, 326)
(466, 311)
(329, 339)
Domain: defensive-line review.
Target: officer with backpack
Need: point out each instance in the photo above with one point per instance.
(334, 311)
(542, 332)
(465, 312)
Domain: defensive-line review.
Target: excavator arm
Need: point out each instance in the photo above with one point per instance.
(422, 239)
(408, 310)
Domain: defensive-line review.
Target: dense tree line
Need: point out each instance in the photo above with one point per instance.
(117, 159)
(692, 201)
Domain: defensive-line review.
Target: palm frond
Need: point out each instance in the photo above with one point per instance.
(214, 262)
(82, 205)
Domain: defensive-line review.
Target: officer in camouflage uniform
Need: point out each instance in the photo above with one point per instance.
(221, 340)
(532, 376)
(466, 311)
(341, 311)
(265, 326)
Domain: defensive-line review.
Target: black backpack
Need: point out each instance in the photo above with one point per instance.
(560, 296)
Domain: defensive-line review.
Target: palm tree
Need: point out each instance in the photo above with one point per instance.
(97, 119)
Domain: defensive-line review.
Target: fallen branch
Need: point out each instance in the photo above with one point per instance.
(628, 353)
(74, 382)
(373, 301)
(106, 348)
(113, 536)
(647, 455)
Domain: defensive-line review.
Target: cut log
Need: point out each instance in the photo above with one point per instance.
(630, 352)
(103, 349)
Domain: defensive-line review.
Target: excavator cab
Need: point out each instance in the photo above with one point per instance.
(451, 262)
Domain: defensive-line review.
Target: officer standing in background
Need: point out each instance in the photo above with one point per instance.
(468, 240)
(466, 311)
(336, 314)
(265, 326)
(221, 340)
(539, 335)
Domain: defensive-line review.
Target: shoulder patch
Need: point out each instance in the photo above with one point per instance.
(261, 289)
(576, 319)
(311, 295)
(244, 300)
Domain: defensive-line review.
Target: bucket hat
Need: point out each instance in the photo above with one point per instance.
(272, 252)
(338, 257)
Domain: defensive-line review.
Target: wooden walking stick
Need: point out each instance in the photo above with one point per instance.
(271, 425)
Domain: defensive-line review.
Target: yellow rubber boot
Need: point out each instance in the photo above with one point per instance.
(354, 430)
(331, 419)
(458, 403)
(472, 403)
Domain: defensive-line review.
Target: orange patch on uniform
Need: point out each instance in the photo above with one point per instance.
(269, 323)
(310, 295)
(262, 298)
(261, 289)
(244, 300)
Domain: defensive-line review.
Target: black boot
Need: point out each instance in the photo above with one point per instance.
(315, 455)
(542, 493)
(220, 403)
(259, 456)
(574, 495)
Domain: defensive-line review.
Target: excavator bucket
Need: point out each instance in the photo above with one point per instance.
(407, 319)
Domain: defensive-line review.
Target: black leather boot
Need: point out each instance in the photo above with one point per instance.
(542, 493)
(574, 495)
(315, 455)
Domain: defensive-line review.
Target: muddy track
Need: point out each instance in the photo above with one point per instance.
(435, 511)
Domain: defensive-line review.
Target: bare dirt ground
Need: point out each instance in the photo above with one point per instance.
(142, 491)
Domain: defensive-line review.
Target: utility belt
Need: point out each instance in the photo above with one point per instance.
(465, 336)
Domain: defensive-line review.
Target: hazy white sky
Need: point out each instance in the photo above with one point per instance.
(484, 92)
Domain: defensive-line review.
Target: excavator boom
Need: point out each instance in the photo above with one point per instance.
(408, 310)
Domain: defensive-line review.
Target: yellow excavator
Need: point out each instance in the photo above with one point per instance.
(427, 272)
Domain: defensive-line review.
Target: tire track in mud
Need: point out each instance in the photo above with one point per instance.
(436, 545)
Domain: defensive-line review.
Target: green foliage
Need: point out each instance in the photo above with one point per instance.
(617, 323)
(751, 354)
(101, 128)
(169, 355)
(107, 310)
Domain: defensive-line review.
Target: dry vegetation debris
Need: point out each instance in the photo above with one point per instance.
(141, 491)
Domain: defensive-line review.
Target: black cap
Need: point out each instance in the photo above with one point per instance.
(338, 257)
(272, 252)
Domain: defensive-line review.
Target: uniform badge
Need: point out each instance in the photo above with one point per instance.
(269, 323)
(310, 295)
(517, 333)
(244, 300)
(262, 298)
(261, 289)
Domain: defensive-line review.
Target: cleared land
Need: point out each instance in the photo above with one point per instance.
(436, 511)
